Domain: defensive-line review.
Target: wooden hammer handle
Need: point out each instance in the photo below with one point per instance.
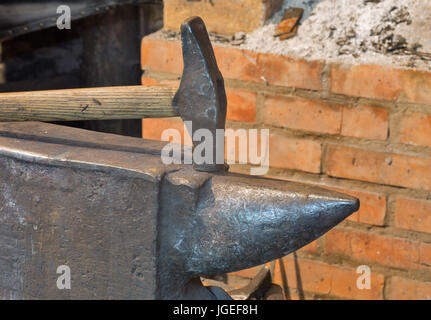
(133, 102)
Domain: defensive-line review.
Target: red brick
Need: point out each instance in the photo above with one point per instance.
(381, 82)
(370, 81)
(425, 254)
(241, 105)
(407, 289)
(366, 247)
(383, 168)
(416, 129)
(294, 153)
(372, 209)
(365, 122)
(147, 81)
(417, 86)
(291, 72)
(247, 273)
(161, 55)
(153, 128)
(322, 278)
(310, 248)
(302, 114)
(413, 214)
(237, 64)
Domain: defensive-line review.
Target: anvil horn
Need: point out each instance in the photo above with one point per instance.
(225, 222)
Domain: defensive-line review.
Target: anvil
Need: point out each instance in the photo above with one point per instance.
(129, 226)
(126, 225)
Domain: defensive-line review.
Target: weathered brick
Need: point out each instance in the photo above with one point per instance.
(322, 278)
(148, 81)
(294, 153)
(241, 105)
(425, 254)
(153, 128)
(365, 122)
(161, 55)
(302, 114)
(372, 209)
(370, 81)
(366, 247)
(381, 82)
(310, 248)
(247, 273)
(221, 16)
(416, 86)
(290, 72)
(413, 214)
(416, 129)
(408, 289)
(237, 64)
(379, 167)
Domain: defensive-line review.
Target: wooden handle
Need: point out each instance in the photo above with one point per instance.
(133, 102)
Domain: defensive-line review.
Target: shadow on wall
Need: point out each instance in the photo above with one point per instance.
(298, 280)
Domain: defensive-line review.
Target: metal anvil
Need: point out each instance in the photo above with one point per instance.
(130, 227)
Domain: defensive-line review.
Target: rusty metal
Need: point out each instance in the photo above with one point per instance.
(130, 227)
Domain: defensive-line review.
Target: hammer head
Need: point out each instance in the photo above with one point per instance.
(201, 97)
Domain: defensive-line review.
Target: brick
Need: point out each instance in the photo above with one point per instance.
(149, 81)
(372, 210)
(425, 254)
(416, 129)
(365, 122)
(407, 289)
(161, 55)
(221, 16)
(366, 247)
(369, 81)
(322, 278)
(381, 82)
(153, 128)
(237, 64)
(302, 114)
(310, 248)
(294, 153)
(291, 72)
(413, 214)
(379, 167)
(416, 86)
(241, 105)
(247, 273)
(373, 205)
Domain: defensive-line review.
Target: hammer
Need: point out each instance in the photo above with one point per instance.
(201, 97)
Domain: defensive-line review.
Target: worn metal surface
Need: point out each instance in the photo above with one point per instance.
(130, 227)
(201, 97)
(20, 17)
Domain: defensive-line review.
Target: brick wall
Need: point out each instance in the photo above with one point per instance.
(363, 130)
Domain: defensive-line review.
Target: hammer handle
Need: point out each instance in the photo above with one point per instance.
(132, 102)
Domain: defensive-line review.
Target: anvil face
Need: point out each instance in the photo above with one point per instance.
(130, 227)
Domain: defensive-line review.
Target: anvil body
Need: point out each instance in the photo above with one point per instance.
(130, 227)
